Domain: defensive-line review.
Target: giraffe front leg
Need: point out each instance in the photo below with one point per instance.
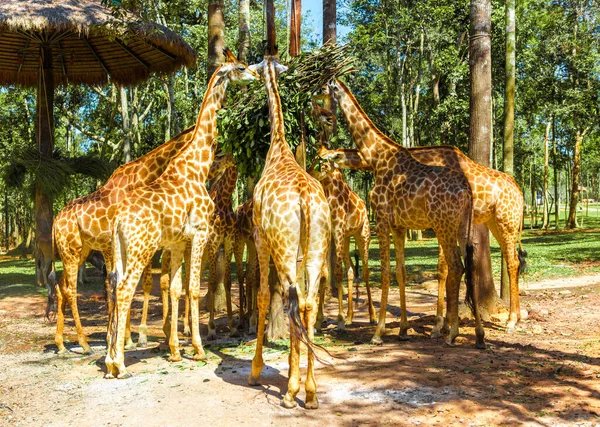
(232, 322)
(399, 240)
(164, 292)
(197, 249)
(175, 294)
(263, 302)
(312, 402)
(363, 247)
(70, 293)
(436, 332)
(350, 274)
(338, 238)
(186, 286)
(383, 233)
(147, 288)
(212, 288)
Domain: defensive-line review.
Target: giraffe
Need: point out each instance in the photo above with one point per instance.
(349, 218)
(83, 225)
(497, 203)
(410, 195)
(244, 237)
(223, 233)
(290, 212)
(170, 212)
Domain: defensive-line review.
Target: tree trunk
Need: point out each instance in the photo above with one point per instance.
(480, 128)
(271, 34)
(45, 147)
(546, 220)
(509, 97)
(216, 37)
(126, 125)
(572, 220)
(244, 30)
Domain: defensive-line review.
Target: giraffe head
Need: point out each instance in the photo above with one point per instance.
(279, 68)
(237, 72)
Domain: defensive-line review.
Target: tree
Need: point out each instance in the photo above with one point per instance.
(216, 36)
(480, 136)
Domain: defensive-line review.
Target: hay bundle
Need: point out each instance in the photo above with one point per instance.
(244, 127)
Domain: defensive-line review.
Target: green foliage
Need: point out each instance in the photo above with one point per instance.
(244, 126)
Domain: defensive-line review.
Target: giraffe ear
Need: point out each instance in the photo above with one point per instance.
(229, 55)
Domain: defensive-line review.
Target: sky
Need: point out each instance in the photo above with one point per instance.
(313, 10)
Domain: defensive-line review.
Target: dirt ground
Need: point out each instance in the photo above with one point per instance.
(546, 373)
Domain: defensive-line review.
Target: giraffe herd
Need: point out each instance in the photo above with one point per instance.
(160, 201)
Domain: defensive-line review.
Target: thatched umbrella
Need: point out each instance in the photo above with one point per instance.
(45, 43)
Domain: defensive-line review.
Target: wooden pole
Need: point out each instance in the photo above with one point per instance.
(271, 34)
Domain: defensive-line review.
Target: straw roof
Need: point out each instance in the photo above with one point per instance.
(88, 43)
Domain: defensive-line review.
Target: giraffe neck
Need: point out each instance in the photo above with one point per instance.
(224, 187)
(279, 148)
(371, 142)
(349, 159)
(195, 158)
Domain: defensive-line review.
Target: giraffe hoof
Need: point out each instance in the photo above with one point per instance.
(234, 333)
(287, 403)
(349, 321)
(175, 358)
(253, 381)
(200, 356)
(212, 335)
(376, 341)
(372, 321)
(450, 343)
(403, 336)
(109, 376)
(341, 325)
(252, 330)
(510, 326)
(312, 404)
(435, 335)
(130, 346)
(480, 345)
(142, 343)
(62, 352)
(124, 375)
(186, 332)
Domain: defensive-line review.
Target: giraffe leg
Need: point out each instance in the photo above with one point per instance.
(164, 291)
(455, 271)
(289, 400)
(399, 241)
(61, 305)
(383, 234)
(175, 289)
(197, 249)
(253, 283)
(442, 277)
(212, 288)
(186, 286)
(115, 356)
(238, 255)
(231, 321)
(338, 238)
(320, 315)
(147, 288)
(263, 302)
(364, 239)
(317, 283)
(129, 344)
(350, 273)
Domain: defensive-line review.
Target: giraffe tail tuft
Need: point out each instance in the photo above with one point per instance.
(469, 265)
(52, 282)
(297, 328)
(522, 254)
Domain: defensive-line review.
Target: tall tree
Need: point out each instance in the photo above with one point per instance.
(216, 36)
(243, 29)
(509, 117)
(480, 136)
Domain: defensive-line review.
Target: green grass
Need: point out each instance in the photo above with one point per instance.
(551, 254)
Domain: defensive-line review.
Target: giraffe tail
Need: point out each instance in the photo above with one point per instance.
(297, 328)
(521, 253)
(471, 297)
(52, 281)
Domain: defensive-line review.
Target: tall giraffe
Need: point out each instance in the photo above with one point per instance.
(410, 195)
(349, 218)
(497, 203)
(84, 224)
(171, 212)
(290, 211)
